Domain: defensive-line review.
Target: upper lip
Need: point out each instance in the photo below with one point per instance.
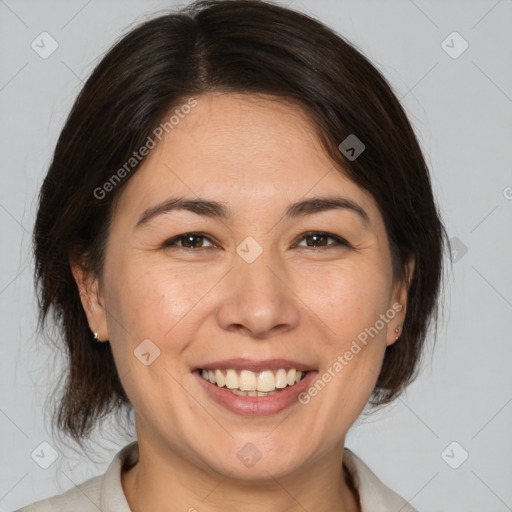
(255, 365)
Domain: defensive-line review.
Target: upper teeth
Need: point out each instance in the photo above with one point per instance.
(246, 380)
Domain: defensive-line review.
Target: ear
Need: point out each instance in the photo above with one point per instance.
(399, 304)
(92, 300)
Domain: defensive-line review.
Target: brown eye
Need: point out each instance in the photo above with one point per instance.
(320, 239)
(188, 241)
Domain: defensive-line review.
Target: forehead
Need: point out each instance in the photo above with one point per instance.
(249, 151)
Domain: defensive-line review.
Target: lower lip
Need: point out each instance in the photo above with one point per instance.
(256, 405)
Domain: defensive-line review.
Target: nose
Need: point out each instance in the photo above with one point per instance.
(259, 300)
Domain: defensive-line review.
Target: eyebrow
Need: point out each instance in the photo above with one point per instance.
(219, 210)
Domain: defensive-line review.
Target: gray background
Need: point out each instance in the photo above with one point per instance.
(461, 109)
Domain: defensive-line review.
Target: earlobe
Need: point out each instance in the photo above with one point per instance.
(394, 330)
(92, 301)
(399, 305)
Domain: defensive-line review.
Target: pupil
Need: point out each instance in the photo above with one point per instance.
(190, 240)
(316, 237)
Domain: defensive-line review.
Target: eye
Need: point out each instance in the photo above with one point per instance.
(189, 241)
(313, 239)
(316, 239)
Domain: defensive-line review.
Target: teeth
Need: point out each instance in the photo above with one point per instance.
(248, 383)
(266, 381)
(219, 379)
(281, 379)
(232, 381)
(251, 393)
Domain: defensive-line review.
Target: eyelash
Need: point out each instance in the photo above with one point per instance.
(339, 241)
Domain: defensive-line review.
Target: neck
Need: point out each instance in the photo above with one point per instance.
(166, 481)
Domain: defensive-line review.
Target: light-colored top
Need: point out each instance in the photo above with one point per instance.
(105, 492)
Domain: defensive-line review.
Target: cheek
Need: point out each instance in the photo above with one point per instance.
(349, 300)
(148, 311)
(156, 301)
(353, 348)
(354, 303)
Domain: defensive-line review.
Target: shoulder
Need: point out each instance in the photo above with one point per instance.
(81, 498)
(103, 492)
(373, 494)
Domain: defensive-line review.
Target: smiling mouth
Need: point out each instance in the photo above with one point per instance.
(249, 383)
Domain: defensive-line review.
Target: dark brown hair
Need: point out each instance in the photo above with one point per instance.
(243, 46)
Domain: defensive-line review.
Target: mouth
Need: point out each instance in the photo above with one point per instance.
(246, 387)
(249, 383)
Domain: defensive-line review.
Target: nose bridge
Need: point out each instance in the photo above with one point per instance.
(259, 277)
(257, 300)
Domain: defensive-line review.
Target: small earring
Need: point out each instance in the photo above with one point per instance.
(96, 336)
(397, 330)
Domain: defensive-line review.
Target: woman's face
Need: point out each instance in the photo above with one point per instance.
(269, 283)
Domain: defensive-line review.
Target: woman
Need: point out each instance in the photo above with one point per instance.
(238, 236)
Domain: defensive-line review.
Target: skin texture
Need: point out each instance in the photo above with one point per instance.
(257, 155)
